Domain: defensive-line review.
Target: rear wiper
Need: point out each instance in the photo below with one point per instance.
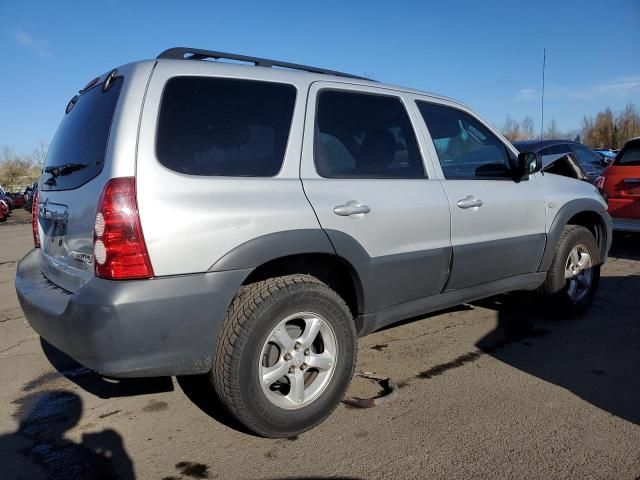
(66, 169)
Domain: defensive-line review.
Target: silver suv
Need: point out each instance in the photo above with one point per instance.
(251, 221)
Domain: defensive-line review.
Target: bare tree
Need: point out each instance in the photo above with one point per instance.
(514, 130)
(527, 128)
(511, 129)
(628, 123)
(552, 131)
(16, 170)
(39, 153)
(608, 130)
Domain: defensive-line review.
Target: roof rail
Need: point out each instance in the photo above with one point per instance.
(182, 53)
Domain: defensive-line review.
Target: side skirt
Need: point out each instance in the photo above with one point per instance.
(371, 322)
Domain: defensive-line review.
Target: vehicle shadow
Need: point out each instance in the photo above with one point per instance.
(625, 246)
(101, 386)
(40, 449)
(596, 356)
(314, 478)
(199, 390)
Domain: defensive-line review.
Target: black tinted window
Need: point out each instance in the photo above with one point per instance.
(559, 149)
(221, 126)
(630, 155)
(81, 140)
(360, 135)
(466, 149)
(585, 156)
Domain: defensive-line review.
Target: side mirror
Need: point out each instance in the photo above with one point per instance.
(528, 164)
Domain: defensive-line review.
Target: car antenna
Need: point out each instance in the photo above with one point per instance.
(544, 65)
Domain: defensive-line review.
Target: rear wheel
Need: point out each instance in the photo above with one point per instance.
(572, 280)
(285, 356)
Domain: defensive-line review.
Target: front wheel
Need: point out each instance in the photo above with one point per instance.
(285, 356)
(572, 280)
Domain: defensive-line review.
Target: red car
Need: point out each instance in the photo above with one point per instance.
(18, 200)
(621, 184)
(4, 211)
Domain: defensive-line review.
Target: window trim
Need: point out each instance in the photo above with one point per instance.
(223, 77)
(434, 101)
(346, 89)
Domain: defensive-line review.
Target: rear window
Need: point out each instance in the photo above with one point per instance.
(629, 155)
(80, 144)
(224, 127)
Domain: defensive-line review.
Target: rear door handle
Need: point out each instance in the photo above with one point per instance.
(352, 207)
(631, 180)
(469, 202)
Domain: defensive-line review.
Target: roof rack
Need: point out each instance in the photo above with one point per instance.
(182, 53)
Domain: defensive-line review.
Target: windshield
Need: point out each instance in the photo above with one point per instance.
(76, 154)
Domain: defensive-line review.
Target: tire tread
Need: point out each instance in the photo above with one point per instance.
(235, 329)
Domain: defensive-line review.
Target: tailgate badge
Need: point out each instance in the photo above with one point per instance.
(82, 257)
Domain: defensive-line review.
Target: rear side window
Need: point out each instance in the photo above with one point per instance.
(360, 135)
(630, 155)
(77, 152)
(224, 127)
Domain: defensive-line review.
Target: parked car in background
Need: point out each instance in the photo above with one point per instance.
(4, 196)
(17, 199)
(4, 210)
(621, 185)
(28, 196)
(606, 154)
(591, 163)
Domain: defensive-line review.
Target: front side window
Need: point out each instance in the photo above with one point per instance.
(359, 135)
(224, 127)
(466, 148)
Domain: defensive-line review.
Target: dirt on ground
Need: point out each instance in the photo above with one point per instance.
(496, 389)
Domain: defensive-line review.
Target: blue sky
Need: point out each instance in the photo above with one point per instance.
(486, 53)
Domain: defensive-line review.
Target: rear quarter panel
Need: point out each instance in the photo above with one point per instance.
(190, 222)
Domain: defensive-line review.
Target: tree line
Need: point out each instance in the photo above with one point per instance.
(607, 129)
(17, 170)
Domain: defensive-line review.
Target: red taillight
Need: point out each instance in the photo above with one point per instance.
(34, 220)
(119, 250)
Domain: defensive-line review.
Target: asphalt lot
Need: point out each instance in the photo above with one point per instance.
(496, 389)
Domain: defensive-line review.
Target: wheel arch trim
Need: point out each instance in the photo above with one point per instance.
(568, 211)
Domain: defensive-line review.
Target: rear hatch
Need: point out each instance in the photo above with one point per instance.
(622, 182)
(71, 183)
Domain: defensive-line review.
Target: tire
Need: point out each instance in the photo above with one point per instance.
(572, 296)
(245, 351)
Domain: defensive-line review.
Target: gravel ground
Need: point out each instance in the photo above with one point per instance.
(496, 389)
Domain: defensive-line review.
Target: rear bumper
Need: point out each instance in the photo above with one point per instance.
(134, 328)
(626, 224)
